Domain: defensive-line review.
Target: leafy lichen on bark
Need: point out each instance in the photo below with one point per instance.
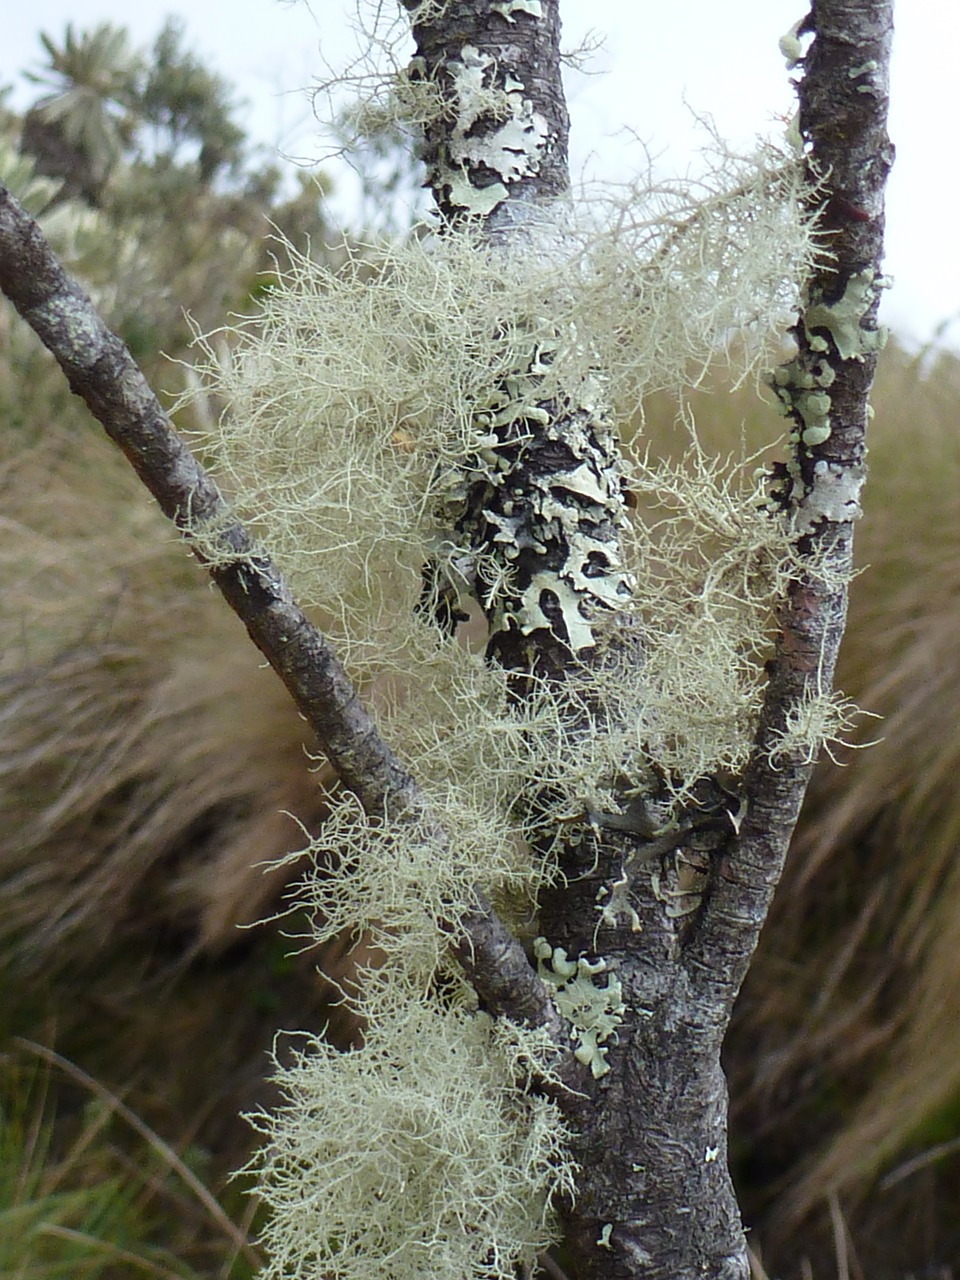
(843, 93)
(654, 1196)
(653, 1139)
(545, 502)
(503, 135)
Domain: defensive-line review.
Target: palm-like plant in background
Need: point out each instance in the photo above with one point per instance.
(78, 131)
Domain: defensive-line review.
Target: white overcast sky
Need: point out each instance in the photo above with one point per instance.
(660, 63)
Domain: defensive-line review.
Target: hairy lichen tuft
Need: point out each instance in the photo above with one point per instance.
(419, 1154)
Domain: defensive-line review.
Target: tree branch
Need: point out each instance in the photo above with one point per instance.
(844, 93)
(102, 372)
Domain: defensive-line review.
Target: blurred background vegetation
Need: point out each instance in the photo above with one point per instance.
(148, 765)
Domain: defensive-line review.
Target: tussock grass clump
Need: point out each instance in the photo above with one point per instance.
(843, 1053)
(136, 779)
(895, 808)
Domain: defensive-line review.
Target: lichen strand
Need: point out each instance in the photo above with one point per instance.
(426, 427)
(499, 81)
(434, 405)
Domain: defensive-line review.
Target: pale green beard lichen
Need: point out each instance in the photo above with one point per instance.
(360, 397)
(365, 405)
(821, 719)
(417, 1155)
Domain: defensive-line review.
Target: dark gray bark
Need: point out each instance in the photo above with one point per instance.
(654, 1197)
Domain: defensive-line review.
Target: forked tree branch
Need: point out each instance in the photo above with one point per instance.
(100, 370)
(654, 1197)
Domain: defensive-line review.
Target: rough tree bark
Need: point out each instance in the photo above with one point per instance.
(655, 1197)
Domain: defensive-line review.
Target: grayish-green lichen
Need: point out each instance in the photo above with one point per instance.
(507, 8)
(512, 149)
(79, 335)
(790, 44)
(803, 391)
(867, 70)
(818, 433)
(835, 495)
(792, 135)
(843, 319)
(613, 902)
(593, 1012)
(463, 194)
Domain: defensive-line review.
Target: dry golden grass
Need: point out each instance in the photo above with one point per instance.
(845, 1055)
(146, 758)
(149, 766)
(896, 809)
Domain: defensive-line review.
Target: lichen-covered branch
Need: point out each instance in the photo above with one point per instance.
(498, 141)
(102, 372)
(544, 503)
(824, 390)
(597, 753)
(653, 1193)
(654, 1197)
